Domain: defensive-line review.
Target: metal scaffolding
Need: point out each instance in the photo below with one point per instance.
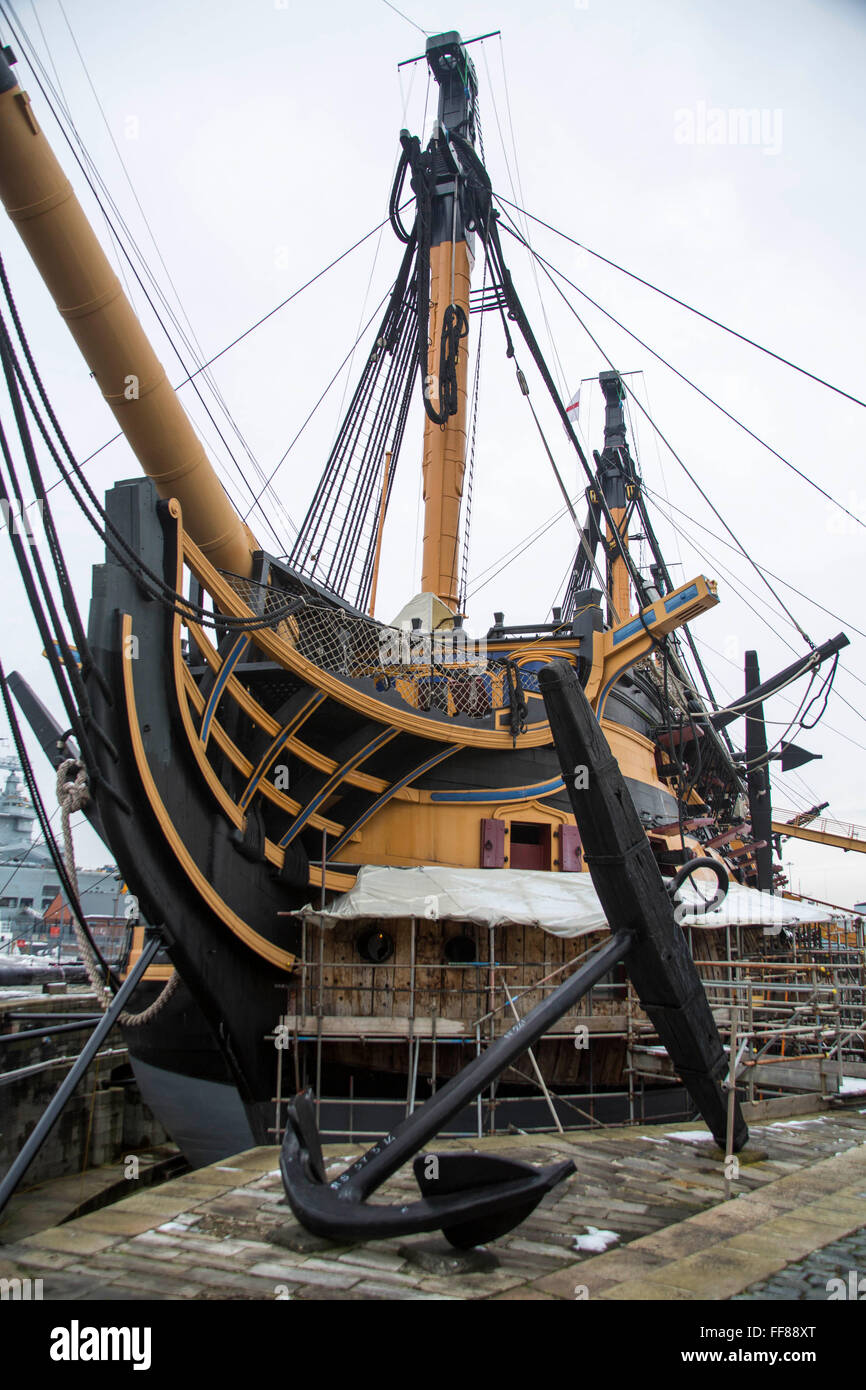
(796, 1004)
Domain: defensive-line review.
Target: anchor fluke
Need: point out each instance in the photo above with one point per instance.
(466, 1173)
(475, 1197)
(471, 1198)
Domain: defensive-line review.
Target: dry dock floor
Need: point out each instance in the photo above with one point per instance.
(225, 1232)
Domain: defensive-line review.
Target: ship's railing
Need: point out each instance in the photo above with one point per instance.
(823, 825)
(446, 670)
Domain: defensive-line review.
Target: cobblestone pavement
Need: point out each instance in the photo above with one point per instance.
(818, 1276)
(225, 1232)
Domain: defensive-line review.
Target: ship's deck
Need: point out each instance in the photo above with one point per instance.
(225, 1232)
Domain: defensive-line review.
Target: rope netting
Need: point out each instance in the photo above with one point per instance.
(446, 670)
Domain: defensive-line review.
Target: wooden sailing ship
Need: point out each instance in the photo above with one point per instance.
(253, 738)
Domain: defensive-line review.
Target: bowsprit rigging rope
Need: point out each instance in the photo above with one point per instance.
(239, 339)
(189, 338)
(144, 274)
(115, 542)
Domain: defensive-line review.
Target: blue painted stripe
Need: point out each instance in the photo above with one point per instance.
(279, 741)
(672, 603)
(677, 600)
(263, 766)
(502, 793)
(229, 664)
(398, 786)
(622, 633)
(333, 781)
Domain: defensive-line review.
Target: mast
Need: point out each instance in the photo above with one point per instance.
(614, 468)
(67, 254)
(451, 261)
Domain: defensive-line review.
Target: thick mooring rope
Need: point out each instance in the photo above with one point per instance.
(72, 796)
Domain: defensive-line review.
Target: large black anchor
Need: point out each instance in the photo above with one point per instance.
(473, 1198)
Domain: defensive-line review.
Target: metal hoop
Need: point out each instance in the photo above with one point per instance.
(688, 869)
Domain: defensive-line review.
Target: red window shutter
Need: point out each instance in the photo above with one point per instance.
(493, 844)
(570, 851)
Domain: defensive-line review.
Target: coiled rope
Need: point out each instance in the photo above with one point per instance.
(73, 795)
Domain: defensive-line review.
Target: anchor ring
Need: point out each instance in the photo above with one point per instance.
(688, 869)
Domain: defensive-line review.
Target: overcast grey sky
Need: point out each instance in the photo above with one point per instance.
(261, 139)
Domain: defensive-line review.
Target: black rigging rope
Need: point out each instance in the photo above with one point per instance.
(665, 441)
(48, 834)
(662, 502)
(321, 398)
(338, 527)
(694, 386)
(138, 276)
(113, 539)
(241, 336)
(712, 559)
(682, 303)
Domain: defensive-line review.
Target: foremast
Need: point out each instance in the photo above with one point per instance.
(450, 258)
(616, 479)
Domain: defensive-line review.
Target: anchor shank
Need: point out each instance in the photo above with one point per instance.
(413, 1133)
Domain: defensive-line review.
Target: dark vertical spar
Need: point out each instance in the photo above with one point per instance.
(631, 891)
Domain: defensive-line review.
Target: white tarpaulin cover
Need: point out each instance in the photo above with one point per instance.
(564, 904)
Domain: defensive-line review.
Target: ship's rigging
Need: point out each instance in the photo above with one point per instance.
(251, 738)
(335, 546)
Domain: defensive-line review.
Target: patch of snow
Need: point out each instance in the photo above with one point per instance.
(596, 1241)
(792, 1124)
(180, 1223)
(694, 1136)
(852, 1086)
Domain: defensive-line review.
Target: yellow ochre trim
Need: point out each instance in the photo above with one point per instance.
(279, 650)
(185, 682)
(282, 959)
(251, 707)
